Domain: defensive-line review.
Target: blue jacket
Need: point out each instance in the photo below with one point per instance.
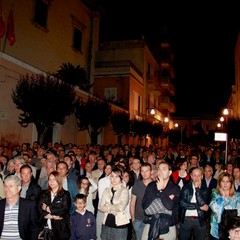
(73, 190)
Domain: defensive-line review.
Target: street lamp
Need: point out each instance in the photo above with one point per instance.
(166, 120)
(220, 125)
(177, 125)
(225, 113)
(152, 111)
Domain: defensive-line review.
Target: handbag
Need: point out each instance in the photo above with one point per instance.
(46, 234)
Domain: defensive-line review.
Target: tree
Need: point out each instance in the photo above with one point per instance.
(121, 124)
(156, 131)
(44, 101)
(92, 116)
(140, 128)
(75, 76)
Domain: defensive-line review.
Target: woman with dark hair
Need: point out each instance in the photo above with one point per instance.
(128, 181)
(113, 204)
(181, 176)
(87, 187)
(234, 229)
(54, 207)
(225, 202)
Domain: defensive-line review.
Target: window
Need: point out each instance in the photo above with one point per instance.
(40, 13)
(137, 103)
(110, 94)
(77, 39)
(78, 34)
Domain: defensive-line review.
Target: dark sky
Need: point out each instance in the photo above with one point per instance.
(203, 39)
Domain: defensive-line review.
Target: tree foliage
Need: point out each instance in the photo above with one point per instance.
(140, 128)
(92, 116)
(121, 124)
(75, 76)
(44, 101)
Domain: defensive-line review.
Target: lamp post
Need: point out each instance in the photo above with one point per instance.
(220, 125)
(177, 125)
(226, 113)
(150, 113)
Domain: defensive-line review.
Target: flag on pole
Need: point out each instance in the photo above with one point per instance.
(2, 23)
(10, 28)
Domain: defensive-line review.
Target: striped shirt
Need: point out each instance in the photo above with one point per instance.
(10, 227)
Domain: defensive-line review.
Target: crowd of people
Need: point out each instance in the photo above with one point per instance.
(70, 192)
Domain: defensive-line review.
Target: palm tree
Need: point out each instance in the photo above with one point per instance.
(75, 76)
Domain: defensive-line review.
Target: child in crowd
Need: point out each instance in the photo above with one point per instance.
(83, 222)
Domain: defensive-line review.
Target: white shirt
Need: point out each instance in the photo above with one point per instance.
(193, 200)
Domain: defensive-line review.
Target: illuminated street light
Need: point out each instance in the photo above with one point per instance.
(220, 125)
(225, 111)
(221, 119)
(166, 119)
(152, 111)
(177, 125)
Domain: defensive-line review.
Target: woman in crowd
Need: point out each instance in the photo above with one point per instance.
(224, 204)
(181, 176)
(10, 167)
(113, 204)
(54, 207)
(234, 229)
(103, 183)
(87, 187)
(127, 179)
(218, 170)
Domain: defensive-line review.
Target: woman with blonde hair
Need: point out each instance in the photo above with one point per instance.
(225, 202)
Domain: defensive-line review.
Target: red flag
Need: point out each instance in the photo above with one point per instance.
(2, 23)
(10, 28)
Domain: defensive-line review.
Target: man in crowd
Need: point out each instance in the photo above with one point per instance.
(193, 201)
(68, 184)
(138, 190)
(160, 204)
(30, 189)
(18, 216)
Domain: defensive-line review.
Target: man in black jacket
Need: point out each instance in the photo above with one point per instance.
(160, 204)
(193, 202)
(30, 189)
(18, 216)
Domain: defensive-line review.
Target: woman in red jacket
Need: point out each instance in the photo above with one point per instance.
(181, 176)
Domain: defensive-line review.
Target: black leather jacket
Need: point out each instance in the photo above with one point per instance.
(185, 201)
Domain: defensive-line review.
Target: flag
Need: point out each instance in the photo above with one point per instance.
(10, 28)
(2, 23)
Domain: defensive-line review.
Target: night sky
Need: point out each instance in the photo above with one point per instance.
(203, 39)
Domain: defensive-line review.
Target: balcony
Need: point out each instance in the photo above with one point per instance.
(167, 86)
(153, 83)
(165, 103)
